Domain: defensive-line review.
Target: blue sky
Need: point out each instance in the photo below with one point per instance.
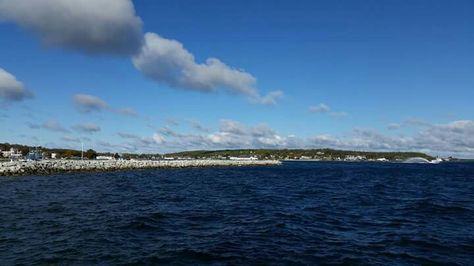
(366, 75)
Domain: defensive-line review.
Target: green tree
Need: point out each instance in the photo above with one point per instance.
(90, 154)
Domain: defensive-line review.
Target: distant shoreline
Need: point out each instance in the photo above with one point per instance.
(47, 167)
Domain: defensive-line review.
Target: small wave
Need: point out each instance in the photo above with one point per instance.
(149, 222)
(428, 206)
(188, 256)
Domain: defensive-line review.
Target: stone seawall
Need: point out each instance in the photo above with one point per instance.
(45, 167)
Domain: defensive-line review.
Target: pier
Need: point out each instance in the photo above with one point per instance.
(45, 167)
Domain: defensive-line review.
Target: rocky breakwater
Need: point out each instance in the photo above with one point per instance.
(45, 167)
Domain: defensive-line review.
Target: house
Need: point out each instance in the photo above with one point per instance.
(12, 153)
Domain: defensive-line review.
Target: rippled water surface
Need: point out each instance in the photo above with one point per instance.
(296, 213)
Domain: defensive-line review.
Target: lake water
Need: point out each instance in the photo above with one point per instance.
(295, 213)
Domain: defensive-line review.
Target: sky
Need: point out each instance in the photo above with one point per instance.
(161, 76)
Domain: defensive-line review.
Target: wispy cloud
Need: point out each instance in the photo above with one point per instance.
(323, 108)
(87, 128)
(86, 103)
(51, 125)
(68, 138)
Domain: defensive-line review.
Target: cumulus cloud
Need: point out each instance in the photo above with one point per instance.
(454, 138)
(233, 134)
(451, 139)
(167, 61)
(87, 128)
(12, 90)
(111, 27)
(88, 26)
(85, 103)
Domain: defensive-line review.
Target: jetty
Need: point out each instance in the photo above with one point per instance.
(45, 167)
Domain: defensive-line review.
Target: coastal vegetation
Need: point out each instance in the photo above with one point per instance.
(301, 154)
(261, 154)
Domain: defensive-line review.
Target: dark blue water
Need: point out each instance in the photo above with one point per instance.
(296, 213)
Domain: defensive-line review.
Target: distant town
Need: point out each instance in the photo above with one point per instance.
(24, 152)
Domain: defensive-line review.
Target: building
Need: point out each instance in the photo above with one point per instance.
(34, 155)
(12, 154)
(354, 158)
(103, 157)
(251, 158)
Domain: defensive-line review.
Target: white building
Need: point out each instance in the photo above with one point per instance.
(251, 158)
(354, 158)
(103, 157)
(12, 153)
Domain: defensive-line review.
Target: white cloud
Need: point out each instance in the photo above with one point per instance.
(167, 61)
(321, 108)
(88, 26)
(158, 138)
(233, 134)
(271, 98)
(87, 128)
(12, 90)
(455, 138)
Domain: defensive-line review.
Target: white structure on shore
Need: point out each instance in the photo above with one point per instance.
(354, 158)
(250, 158)
(12, 154)
(103, 157)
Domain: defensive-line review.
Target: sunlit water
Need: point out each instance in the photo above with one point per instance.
(296, 213)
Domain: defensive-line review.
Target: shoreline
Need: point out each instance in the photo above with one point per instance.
(47, 167)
